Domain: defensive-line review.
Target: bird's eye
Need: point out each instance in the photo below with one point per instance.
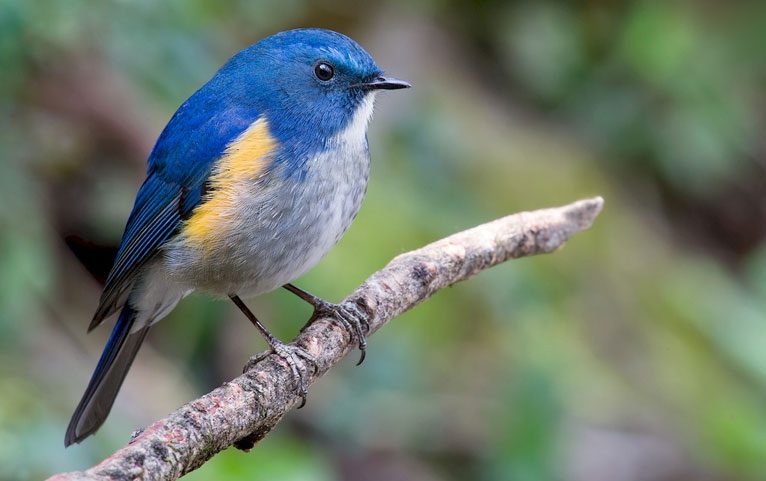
(324, 71)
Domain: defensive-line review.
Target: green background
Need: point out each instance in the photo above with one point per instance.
(636, 353)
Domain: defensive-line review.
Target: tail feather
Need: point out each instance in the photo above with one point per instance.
(118, 355)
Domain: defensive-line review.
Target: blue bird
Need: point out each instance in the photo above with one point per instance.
(254, 179)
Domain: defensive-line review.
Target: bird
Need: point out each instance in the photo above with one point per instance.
(250, 184)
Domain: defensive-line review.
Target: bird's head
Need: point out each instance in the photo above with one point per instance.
(308, 80)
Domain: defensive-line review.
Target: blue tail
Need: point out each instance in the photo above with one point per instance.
(105, 383)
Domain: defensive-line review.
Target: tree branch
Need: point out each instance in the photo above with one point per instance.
(242, 411)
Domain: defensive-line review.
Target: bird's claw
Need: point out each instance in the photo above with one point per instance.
(348, 316)
(297, 360)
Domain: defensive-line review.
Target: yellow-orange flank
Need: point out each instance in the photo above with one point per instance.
(243, 161)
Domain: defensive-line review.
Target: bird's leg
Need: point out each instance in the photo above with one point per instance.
(349, 317)
(291, 354)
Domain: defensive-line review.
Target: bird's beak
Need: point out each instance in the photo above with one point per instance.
(383, 83)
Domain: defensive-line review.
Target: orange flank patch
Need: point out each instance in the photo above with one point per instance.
(242, 162)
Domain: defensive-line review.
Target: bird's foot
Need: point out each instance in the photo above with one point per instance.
(298, 360)
(349, 316)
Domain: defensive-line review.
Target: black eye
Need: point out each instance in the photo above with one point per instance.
(324, 71)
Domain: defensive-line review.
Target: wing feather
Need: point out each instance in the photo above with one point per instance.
(152, 222)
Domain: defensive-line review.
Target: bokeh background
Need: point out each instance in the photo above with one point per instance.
(636, 353)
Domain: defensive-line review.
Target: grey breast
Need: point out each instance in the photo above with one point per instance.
(283, 226)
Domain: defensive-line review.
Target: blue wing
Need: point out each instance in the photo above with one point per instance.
(179, 166)
(153, 220)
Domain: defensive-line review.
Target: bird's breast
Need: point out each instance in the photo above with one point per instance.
(270, 229)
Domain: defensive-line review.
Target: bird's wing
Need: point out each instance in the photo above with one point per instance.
(154, 218)
(179, 166)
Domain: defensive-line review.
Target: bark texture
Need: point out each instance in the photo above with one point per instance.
(242, 411)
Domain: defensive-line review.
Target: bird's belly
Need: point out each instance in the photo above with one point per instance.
(278, 229)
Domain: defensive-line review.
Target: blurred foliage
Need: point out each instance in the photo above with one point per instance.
(636, 353)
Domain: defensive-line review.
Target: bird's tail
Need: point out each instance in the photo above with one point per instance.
(105, 383)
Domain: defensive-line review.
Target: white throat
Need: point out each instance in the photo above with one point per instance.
(356, 131)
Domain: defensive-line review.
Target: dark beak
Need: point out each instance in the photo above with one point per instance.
(383, 83)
